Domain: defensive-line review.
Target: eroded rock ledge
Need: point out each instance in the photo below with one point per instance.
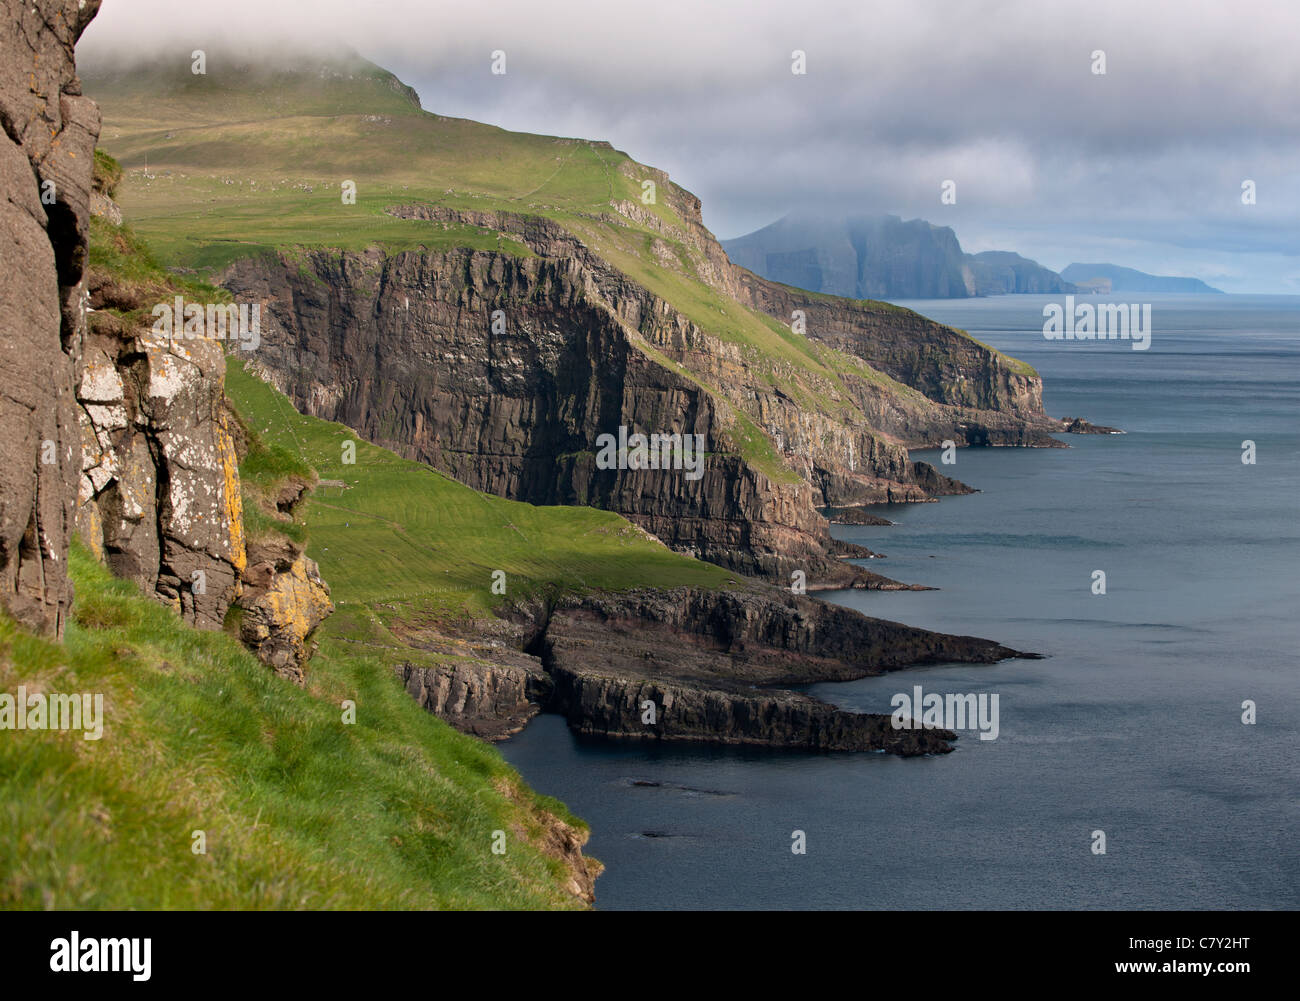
(715, 665)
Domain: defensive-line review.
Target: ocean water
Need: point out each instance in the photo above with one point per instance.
(1131, 726)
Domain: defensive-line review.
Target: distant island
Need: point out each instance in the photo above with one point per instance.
(884, 257)
(1110, 278)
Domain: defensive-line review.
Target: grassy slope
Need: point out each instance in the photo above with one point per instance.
(300, 810)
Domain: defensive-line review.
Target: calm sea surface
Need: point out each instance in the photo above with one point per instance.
(1132, 726)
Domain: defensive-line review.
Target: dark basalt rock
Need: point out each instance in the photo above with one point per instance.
(1077, 425)
(611, 705)
(759, 636)
(713, 663)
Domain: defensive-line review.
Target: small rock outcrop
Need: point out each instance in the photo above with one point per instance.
(283, 600)
(491, 699)
(1077, 425)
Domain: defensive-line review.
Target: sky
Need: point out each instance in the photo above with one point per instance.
(1142, 165)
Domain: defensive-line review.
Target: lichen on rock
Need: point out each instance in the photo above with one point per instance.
(283, 600)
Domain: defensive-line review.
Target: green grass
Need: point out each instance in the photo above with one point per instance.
(264, 470)
(107, 173)
(120, 253)
(299, 810)
(227, 228)
(269, 465)
(258, 158)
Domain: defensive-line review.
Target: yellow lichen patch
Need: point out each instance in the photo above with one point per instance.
(297, 602)
(233, 500)
(92, 533)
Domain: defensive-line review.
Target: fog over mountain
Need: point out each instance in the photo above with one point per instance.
(1142, 165)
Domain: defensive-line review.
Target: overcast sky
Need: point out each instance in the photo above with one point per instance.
(1142, 166)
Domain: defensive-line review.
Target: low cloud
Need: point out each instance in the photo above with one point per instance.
(1142, 165)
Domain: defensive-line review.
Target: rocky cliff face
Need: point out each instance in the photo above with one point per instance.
(490, 698)
(110, 430)
(159, 496)
(46, 156)
(519, 413)
(482, 679)
(578, 349)
(964, 390)
(971, 395)
(161, 501)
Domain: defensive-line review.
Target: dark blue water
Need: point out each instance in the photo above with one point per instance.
(1132, 725)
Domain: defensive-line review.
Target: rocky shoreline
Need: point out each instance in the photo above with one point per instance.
(685, 665)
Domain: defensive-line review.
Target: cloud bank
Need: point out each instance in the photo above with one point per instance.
(1142, 165)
